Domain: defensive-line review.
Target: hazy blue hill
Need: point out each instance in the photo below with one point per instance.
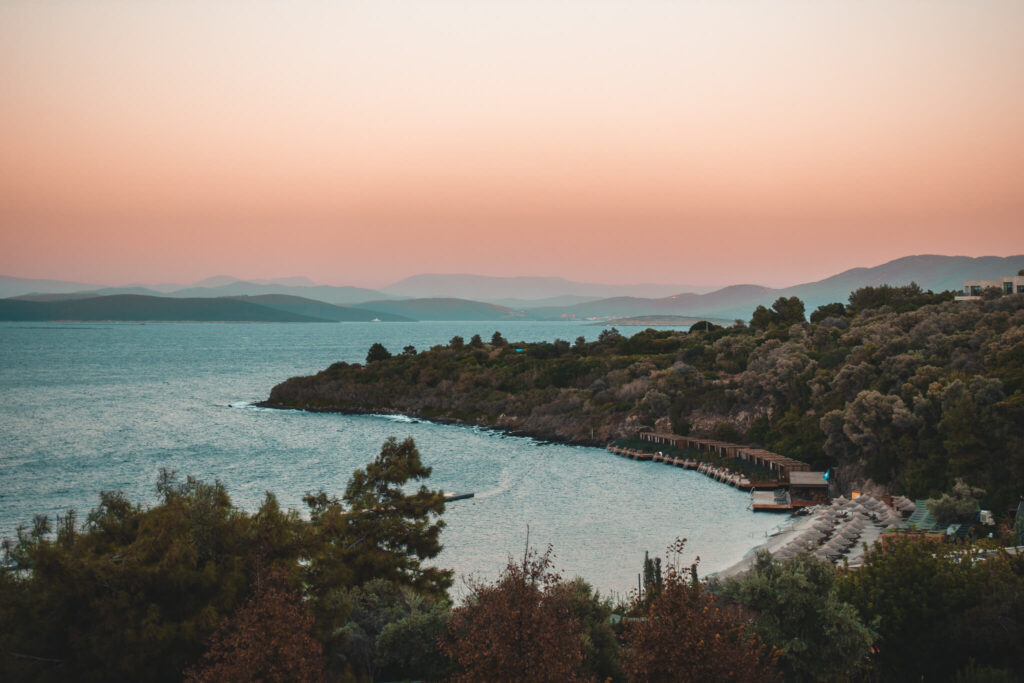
(67, 296)
(17, 286)
(333, 295)
(443, 309)
(131, 307)
(90, 294)
(522, 288)
(320, 309)
(222, 280)
(111, 291)
(721, 303)
(937, 273)
(520, 304)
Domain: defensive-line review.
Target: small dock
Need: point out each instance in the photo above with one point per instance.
(771, 501)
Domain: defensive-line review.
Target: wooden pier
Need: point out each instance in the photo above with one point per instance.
(793, 486)
(717, 473)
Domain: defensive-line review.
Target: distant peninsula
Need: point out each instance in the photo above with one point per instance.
(139, 308)
(661, 321)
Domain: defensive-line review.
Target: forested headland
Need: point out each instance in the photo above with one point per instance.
(898, 388)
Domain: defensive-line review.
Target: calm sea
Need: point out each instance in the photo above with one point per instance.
(92, 407)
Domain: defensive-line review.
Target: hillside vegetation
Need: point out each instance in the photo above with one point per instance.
(905, 388)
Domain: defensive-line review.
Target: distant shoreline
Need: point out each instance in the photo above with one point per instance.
(660, 321)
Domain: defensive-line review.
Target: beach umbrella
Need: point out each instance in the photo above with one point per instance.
(784, 554)
(836, 544)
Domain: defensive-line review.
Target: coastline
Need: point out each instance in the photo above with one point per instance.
(541, 436)
(870, 517)
(788, 529)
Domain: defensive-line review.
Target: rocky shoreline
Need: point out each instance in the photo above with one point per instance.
(504, 426)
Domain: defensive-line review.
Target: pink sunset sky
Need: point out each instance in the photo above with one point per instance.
(677, 141)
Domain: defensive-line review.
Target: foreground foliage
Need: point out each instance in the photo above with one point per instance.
(679, 632)
(939, 609)
(142, 593)
(195, 588)
(817, 636)
(517, 627)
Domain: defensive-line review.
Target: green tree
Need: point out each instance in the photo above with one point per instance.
(762, 318)
(936, 607)
(412, 623)
(135, 595)
(833, 310)
(381, 531)
(409, 648)
(958, 505)
(377, 352)
(598, 639)
(789, 311)
(818, 637)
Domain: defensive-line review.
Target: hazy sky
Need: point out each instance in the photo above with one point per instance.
(682, 141)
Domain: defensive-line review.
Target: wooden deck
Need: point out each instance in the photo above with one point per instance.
(717, 473)
(766, 496)
(770, 501)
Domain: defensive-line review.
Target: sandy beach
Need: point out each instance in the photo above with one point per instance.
(836, 532)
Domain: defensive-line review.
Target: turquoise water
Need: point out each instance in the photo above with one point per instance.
(92, 407)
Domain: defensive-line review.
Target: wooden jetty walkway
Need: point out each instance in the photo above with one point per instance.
(717, 473)
(793, 485)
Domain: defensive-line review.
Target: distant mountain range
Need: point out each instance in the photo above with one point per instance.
(464, 297)
(523, 289)
(134, 307)
(46, 290)
(937, 273)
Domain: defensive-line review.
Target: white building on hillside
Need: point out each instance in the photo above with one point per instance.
(1011, 284)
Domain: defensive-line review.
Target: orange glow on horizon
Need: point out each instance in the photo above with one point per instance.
(359, 144)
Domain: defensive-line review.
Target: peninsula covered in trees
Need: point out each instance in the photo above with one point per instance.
(903, 387)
